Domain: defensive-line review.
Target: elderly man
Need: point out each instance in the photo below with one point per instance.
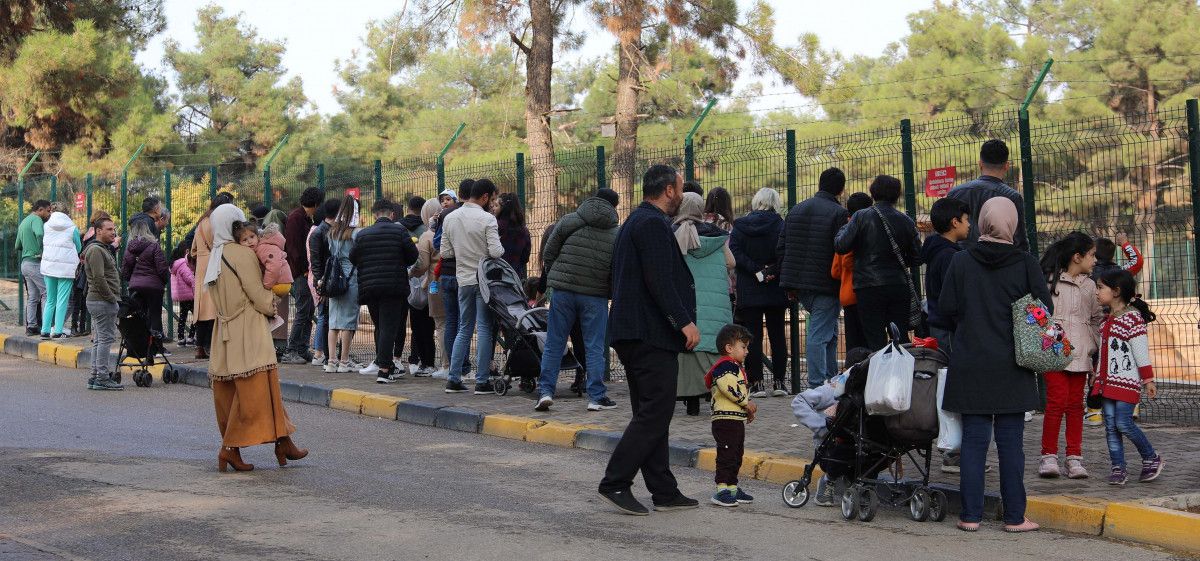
(153, 214)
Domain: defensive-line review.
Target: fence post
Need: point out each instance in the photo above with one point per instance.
(170, 300)
(441, 158)
(1028, 185)
(125, 200)
(53, 188)
(521, 179)
(378, 179)
(794, 308)
(321, 178)
(910, 188)
(212, 182)
(267, 194)
(89, 196)
(20, 216)
(689, 152)
(601, 179)
(1193, 124)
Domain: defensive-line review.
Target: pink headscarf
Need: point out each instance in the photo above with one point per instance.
(998, 220)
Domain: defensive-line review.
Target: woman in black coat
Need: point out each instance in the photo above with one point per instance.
(985, 384)
(759, 295)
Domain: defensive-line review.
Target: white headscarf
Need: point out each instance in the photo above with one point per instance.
(690, 213)
(354, 219)
(221, 220)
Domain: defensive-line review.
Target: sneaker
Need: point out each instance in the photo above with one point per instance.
(724, 497)
(1075, 469)
(163, 354)
(318, 360)
(331, 367)
(105, 383)
(68, 333)
(825, 492)
(625, 502)
(371, 370)
(344, 367)
(31, 331)
(455, 387)
(680, 502)
(46, 336)
(57, 336)
(758, 391)
(1028, 416)
(1048, 468)
(1117, 476)
(779, 392)
(383, 378)
(485, 388)
(181, 343)
(601, 404)
(544, 403)
(91, 383)
(354, 365)
(412, 368)
(397, 374)
(950, 463)
(1093, 418)
(423, 372)
(743, 497)
(1151, 469)
(441, 374)
(291, 357)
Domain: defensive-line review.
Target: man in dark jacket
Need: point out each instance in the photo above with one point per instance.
(152, 208)
(382, 253)
(950, 218)
(760, 299)
(318, 256)
(993, 167)
(412, 220)
(652, 320)
(805, 253)
(578, 261)
(295, 235)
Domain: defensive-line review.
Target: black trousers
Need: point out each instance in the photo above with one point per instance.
(423, 349)
(387, 315)
(401, 333)
(753, 319)
(204, 333)
(878, 306)
(731, 442)
(652, 375)
(185, 307)
(854, 328)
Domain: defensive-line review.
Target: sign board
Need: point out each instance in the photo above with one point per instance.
(938, 181)
(80, 202)
(353, 192)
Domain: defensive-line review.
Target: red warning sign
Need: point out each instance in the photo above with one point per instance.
(938, 181)
(353, 192)
(80, 202)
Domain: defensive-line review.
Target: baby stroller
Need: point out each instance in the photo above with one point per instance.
(522, 329)
(860, 447)
(141, 344)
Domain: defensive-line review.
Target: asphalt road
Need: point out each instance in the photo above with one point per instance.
(132, 475)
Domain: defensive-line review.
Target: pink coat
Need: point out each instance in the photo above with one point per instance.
(183, 278)
(274, 260)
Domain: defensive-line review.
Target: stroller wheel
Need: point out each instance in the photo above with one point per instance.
(937, 506)
(526, 385)
(918, 505)
(501, 386)
(795, 495)
(850, 502)
(868, 504)
(142, 379)
(168, 375)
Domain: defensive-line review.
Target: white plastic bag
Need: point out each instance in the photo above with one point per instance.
(949, 424)
(889, 381)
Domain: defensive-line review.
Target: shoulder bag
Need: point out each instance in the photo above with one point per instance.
(914, 303)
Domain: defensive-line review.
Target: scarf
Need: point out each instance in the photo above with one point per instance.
(998, 220)
(354, 219)
(690, 213)
(222, 220)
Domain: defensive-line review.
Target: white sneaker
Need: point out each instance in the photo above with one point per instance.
(67, 333)
(331, 367)
(442, 374)
(779, 392)
(344, 367)
(759, 393)
(413, 368)
(423, 372)
(383, 380)
(370, 370)
(544, 403)
(318, 360)
(354, 365)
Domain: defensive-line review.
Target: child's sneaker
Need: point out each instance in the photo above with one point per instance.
(743, 497)
(1118, 476)
(824, 492)
(1049, 467)
(1151, 469)
(1093, 418)
(724, 497)
(1075, 469)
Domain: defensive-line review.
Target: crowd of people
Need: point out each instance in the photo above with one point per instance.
(687, 293)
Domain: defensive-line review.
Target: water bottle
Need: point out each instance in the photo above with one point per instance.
(433, 287)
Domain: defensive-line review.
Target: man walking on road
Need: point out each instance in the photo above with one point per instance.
(104, 290)
(383, 252)
(295, 234)
(993, 168)
(805, 253)
(652, 320)
(29, 244)
(578, 261)
(469, 235)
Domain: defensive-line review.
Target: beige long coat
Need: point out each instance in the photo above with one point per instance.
(241, 344)
(201, 247)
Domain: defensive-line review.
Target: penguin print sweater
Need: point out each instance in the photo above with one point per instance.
(1124, 357)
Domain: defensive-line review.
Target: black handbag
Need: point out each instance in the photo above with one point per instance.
(914, 304)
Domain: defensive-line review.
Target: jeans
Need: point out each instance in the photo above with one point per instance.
(977, 435)
(877, 307)
(752, 319)
(592, 313)
(35, 292)
(104, 333)
(1118, 422)
(730, 436)
(321, 335)
(388, 318)
(652, 375)
(1064, 398)
(473, 312)
(448, 288)
(302, 324)
(54, 314)
(823, 311)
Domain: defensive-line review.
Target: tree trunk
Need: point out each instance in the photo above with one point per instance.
(539, 61)
(629, 35)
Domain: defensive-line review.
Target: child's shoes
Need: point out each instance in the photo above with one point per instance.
(1151, 469)
(1075, 469)
(724, 497)
(742, 496)
(1117, 476)
(1048, 468)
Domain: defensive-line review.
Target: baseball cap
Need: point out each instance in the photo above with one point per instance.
(450, 193)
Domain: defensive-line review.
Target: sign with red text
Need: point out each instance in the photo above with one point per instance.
(353, 192)
(938, 181)
(80, 202)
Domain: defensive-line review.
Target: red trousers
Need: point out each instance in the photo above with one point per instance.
(1064, 397)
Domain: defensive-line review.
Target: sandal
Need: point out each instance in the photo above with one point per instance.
(968, 526)
(1026, 526)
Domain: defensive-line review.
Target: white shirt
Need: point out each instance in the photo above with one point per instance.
(469, 235)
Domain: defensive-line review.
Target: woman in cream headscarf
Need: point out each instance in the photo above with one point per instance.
(984, 383)
(245, 379)
(427, 257)
(708, 257)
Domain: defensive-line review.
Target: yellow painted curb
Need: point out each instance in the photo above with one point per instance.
(1082, 515)
(129, 366)
(1172, 529)
(512, 426)
(783, 470)
(380, 405)
(46, 352)
(3, 339)
(751, 460)
(344, 399)
(558, 434)
(67, 355)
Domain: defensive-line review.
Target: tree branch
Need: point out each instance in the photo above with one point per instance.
(517, 41)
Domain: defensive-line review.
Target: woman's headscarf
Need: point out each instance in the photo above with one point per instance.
(429, 210)
(221, 220)
(998, 220)
(690, 213)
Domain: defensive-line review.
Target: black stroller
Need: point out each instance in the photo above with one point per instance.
(860, 447)
(140, 343)
(522, 329)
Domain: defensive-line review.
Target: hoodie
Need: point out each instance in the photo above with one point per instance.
(753, 244)
(145, 265)
(936, 253)
(60, 247)
(577, 254)
(414, 225)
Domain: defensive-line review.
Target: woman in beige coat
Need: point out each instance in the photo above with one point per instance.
(202, 243)
(427, 257)
(243, 369)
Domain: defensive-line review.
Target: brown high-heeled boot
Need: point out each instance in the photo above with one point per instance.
(201, 353)
(232, 457)
(286, 450)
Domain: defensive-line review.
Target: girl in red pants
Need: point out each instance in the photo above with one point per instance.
(1068, 265)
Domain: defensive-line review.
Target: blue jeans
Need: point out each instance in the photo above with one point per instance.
(1118, 422)
(472, 312)
(448, 289)
(592, 312)
(321, 336)
(977, 435)
(823, 311)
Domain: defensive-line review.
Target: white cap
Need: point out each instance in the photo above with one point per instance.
(449, 192)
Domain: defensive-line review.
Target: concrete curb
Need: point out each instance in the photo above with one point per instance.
(1142, 522)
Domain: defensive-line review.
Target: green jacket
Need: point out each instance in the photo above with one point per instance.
(29, 237)
(100, 267)
(578, 254)
(713, 309)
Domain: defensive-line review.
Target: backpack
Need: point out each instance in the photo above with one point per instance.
(336, 281)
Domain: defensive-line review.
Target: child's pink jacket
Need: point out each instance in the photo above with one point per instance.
(183, 278)
(274, 260)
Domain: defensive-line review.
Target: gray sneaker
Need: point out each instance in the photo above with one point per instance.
(105, 383)
(291, 357)
(824, 492)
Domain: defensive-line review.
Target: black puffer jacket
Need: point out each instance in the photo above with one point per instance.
(979, 191)
(383, 252)
(805, 246)
(752, 243)
(318, 251)
(578, 252)
(875, 263)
